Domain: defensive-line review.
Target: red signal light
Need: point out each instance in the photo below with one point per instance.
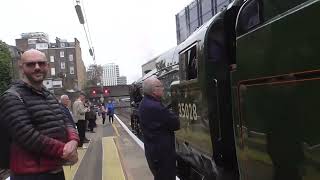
(94, 92)
(106, 91)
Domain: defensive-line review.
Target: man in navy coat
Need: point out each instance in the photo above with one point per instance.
(158, 125)
(65, 103)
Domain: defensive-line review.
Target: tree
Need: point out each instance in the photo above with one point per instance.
(5, 67)
(94, 75)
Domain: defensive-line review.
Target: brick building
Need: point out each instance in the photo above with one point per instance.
(67, 70)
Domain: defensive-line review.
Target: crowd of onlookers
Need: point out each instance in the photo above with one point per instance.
(104, 110)
(85, 115)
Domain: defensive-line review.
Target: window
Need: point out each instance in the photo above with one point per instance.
(53, 71)
(63, 65)
(71, 70)
(192, 70)
(61, 53)
(70, 57)
(42, 46)
(62, 44)
(250, 17)
(189, 64)
(51, 58)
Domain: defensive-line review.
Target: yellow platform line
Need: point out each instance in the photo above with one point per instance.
(115, 129)
(111, 165)
(70, 171)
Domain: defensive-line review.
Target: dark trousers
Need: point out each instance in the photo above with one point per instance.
(110, 118)
(42, 176)
(162, 167)
(103, 118)
(82, 125)
(91, 124)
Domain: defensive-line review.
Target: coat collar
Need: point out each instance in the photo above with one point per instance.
(42, 91)
(152, 98)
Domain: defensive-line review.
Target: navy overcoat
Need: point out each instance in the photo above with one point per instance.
(158, 124)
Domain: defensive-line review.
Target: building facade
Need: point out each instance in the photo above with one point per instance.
(195, 14)
(110, 74)
(148, 66)
(15, 54)
(67, 70)
(122, 80)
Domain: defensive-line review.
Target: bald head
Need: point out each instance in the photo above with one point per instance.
(34, 67)
(33, 54)
(153, 87)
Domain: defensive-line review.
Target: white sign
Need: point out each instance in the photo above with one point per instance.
(47, 83)
(57, 84)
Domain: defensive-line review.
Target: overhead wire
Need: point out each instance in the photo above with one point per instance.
(83, 20)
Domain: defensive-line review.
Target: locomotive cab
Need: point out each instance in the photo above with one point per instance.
(205, 143)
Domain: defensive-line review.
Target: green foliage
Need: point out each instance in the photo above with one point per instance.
(5, 67)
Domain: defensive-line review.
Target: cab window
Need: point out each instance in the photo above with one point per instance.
(250, 16)
(189, 64)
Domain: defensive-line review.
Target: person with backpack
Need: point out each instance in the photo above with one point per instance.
(40, 138)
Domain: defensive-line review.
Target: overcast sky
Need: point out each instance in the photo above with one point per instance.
(125, 32)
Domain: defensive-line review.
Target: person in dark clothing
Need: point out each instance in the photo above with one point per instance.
(158, 124)
(42, 139)
(91, 116)
(103, 113)
(65, 104)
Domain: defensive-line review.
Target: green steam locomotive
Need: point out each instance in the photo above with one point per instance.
(245, 86)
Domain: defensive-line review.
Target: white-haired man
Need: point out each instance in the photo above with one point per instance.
(158, 126)
(65, 105)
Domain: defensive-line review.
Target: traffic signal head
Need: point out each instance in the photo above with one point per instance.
(94, 92)
(106, 91)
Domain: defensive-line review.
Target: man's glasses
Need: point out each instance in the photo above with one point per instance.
(41, 64)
